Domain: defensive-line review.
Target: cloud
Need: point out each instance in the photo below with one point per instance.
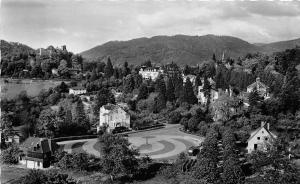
(58, 30)
(84, 24)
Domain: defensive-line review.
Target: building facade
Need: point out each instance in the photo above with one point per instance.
(77, 90)
(113, 116)
(261, 138)
(150, 72)
(37, 152)
(262, 89)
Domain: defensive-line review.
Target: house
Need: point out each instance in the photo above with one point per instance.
(113, 116)
(54, 72)
(191, 77)
(78, 90)
(150, 72)
(261, 138)
(262, 89)
(37, 152)
(214, 94)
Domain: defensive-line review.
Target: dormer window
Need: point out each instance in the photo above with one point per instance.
(258, 138)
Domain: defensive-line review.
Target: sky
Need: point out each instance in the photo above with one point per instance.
(83, 24)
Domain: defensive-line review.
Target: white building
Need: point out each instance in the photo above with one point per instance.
(191, 77)
(214, 94)
(77, 90)
(261, 138)
(113, 116)
(37, 152)
(150, 72)
(262, 89)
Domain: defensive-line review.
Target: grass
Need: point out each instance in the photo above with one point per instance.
(11, 174)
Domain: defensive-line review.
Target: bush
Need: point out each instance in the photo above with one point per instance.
(174, 117)
(49, 177)
(10, 155)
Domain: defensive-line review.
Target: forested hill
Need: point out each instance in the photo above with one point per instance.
(9, 48)
(280, 46)
(180, 48)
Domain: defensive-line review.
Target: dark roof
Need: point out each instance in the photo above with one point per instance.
(44, 145)
(77, 88)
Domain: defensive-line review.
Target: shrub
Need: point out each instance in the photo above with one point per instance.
(10, 155)
(174, 117)
(49, 177)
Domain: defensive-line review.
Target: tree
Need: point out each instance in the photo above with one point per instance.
(63, 68)
(10, 155)
(103, 97)
(79, 117)
(254, 98)
(128, 83)
(108, 70)
(232, 172)
(188, 93)
(170, 91)
(143, 92)
(48, 123)
(119, 159)
(206, 169)
(6, 125)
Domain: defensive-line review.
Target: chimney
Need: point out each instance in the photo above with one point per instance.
(268, 126)
(263, 124)
(257, 79)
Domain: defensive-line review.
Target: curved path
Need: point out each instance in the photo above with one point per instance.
(163, 143)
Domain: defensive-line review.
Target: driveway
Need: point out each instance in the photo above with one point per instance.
(165, 143)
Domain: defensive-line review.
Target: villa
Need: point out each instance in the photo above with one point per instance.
(113, 116)
(150, 72)
(262, 89)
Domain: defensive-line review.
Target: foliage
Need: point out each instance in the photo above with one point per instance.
(10, 155)
(48, 177)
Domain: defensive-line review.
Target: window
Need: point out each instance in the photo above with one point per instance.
(38, 164)
(262, 131)
(266, 138)
(258, 138)
(255, 146)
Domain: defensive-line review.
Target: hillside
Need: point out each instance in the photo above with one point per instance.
(165, 49)
(8, 48)
(280, 46)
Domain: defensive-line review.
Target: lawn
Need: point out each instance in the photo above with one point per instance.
(11, 174)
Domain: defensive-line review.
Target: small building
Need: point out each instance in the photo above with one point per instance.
(37, 152)
(191, 77)
(78, 90)
(261, 138)
(113, 116)
(150, 72)
(262, 89)
(54, 72)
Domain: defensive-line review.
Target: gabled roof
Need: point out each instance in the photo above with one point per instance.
(31, 142)
(258, 130)
(257, 84)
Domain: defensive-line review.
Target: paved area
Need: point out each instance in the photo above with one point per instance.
(165, 143)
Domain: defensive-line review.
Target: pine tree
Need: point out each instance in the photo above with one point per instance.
(108, 70)
(160, 86)
(80, 118)
(170, 91)
(188, 93)
(143, 92)
(178, 86)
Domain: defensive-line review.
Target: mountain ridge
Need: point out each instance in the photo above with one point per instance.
(181, 49)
